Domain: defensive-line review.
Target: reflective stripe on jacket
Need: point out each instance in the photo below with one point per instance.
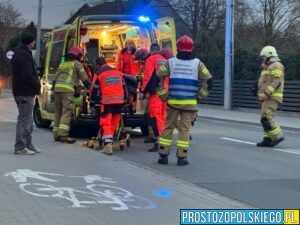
(109, 83)
(68, 76)
(271, 82)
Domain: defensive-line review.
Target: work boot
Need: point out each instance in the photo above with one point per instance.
(182, 161)
(148, 140)
(66, 139)
(163, 159)
(154, 148)
(276, 141)
(108, 149)
(266, 142)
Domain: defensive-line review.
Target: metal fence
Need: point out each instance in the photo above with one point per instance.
(243, 98)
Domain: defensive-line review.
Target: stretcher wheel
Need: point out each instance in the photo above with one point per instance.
(122, 145)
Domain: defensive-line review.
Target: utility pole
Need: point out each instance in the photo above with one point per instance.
(38, 35)
(229, 54)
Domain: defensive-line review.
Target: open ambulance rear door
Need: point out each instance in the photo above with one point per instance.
(166, 33)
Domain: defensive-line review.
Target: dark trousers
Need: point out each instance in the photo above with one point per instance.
(25, 122)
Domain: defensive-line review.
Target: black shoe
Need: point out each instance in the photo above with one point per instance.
(148, 140)
(163, 159)
(182, 161)
(276, 142)
(154, 148)
(68, 140)
(266, 142)
(191, 138)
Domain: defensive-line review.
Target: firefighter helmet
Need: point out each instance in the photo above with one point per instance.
(268, 51)
(141, 54)
(185, 44)
(167, 53)
(76, 51)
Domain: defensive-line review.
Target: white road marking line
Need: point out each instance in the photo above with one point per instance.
(289, 150)
(248, 125)
(240, 141)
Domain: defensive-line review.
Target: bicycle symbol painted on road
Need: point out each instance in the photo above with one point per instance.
(97, 190)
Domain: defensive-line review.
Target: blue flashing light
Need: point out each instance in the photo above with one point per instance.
(144, 19)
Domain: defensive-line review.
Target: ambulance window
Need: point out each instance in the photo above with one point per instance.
(56, 56)
(166, 44)
(70, 39)
(43, 67)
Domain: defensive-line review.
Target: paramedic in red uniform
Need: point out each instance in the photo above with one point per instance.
(126, 62)
(108, 87)
(150, 83)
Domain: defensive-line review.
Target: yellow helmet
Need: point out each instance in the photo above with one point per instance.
(268, 51)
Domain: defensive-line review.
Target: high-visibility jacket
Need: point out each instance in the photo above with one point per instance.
(184, 88)
(68, 75)
(150, 79)
(271, 81)
(127, 64)
(109, 83)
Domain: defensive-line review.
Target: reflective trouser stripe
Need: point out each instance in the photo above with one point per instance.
(64, 127)
(165, 142)
(182, 144)
(266, 134)
(274, 133)
(107, 137)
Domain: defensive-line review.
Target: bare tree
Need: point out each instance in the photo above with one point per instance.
(278, 19)
(10, 20)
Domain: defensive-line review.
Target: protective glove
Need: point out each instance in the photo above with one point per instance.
(141, 96)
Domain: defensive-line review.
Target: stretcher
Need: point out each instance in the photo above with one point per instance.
(128, 108)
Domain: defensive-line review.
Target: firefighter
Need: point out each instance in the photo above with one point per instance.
(184, 72)
(65, 86)
(126, 62)
(149, 87)
(141, 55)
(270, 94)
(108, 87)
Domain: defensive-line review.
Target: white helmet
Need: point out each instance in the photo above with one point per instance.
(268, 51)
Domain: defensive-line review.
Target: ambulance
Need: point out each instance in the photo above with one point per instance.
(98, 35)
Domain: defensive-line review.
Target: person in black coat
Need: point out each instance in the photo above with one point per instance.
(25, 85)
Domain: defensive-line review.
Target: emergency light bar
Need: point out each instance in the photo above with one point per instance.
(144, 19)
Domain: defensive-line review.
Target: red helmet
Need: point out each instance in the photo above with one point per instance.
(76, 51)
(141, 54)
(166, 53)
(185, 44)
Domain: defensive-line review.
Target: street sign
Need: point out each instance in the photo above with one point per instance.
(10, 54)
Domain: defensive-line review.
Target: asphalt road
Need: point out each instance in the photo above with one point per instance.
(69, 184)
(223, 159)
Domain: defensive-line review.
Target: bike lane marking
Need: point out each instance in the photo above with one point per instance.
(97, 190)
